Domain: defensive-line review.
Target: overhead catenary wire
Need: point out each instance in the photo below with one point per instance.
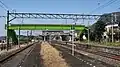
(103, 6)
(5, 7)
(0, 15)
(1, 5)
(98, 8)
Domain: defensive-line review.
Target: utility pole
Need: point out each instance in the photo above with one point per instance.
(115, 17)
(88, 33)
(112, 28)
(73, 42)
(118, 26)
(19, 36)
(7, 30)
(119, 30)
(73, 37)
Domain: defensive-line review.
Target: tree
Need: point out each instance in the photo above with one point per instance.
(97, 30)
(83, 32)
(92, 36)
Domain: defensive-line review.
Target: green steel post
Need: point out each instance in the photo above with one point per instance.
(7, 30)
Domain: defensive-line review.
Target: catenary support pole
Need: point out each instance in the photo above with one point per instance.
(73, 42)
(19, 36)
(88, 32)
(112, 28)
(73, 37)
(7, 30)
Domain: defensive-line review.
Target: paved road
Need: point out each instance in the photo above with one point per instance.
(33, 59)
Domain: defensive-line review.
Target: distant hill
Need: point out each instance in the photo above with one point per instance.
(106, 18)
(2, 37)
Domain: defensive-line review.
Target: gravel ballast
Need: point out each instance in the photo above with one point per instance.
(51, 57)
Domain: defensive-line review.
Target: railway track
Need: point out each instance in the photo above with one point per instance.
(12, 58)
(32, 58)
(101, 53)
(90, 61)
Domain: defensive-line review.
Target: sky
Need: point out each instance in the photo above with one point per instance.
(55, 6)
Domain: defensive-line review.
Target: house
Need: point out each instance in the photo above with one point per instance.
(108, 33)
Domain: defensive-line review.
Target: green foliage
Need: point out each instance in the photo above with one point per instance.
(83, 32)
(97, 30)
(92, 36)
(12, 35)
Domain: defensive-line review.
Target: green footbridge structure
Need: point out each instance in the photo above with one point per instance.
(45, 27)
(13, 27)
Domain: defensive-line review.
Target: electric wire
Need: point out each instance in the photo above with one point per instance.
(103, 6)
